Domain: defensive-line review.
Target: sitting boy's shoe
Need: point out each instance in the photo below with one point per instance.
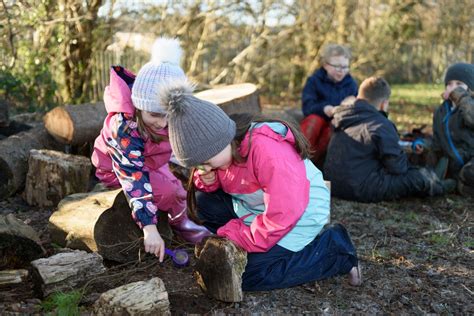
(441, 168)
(449, 185)
(355, 276)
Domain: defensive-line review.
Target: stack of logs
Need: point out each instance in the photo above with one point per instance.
(97, 222)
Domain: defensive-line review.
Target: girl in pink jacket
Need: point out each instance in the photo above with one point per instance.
(260, 190)
(133, 150)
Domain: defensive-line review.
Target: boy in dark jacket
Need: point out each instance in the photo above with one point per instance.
(322, 93)
(453, 128)
(364, 161)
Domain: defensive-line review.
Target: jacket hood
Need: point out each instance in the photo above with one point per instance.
(350, 114)
(322, 74)
(274, 130)
(118, 94)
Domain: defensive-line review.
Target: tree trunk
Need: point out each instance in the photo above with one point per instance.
(66, 271)
(19, 243)
(52, 175)
(75, 124)
(237, 98)
(97, 221)
(14, 153)
(219, 268)
(138, 298)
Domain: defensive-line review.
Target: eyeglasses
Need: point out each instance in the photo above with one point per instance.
(339, 67)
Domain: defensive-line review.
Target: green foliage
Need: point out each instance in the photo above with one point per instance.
(63, 304)
(440, 240)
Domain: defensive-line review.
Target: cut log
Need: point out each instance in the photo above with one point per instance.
(75, 124)
(9, 277)
(219, 268)
(237, 98)
(66, 271)
(19, 243)
(13, 128)
(97, 221)
(14, 153)
(4, 119)
(52, 175)
(138, 298)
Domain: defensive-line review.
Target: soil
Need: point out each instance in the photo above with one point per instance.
(416, 255)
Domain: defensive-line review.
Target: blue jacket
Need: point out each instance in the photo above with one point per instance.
(320, 91)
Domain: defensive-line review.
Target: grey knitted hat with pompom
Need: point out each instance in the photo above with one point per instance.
(198, 129)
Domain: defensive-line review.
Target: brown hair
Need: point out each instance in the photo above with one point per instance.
(331, 50)
(374, 90)
(243, 123)
(144, 130)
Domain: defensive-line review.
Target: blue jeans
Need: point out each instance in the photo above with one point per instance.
(330, 253)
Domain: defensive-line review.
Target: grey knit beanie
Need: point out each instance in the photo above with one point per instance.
(463, 72)
(163, 67)
(198, 129)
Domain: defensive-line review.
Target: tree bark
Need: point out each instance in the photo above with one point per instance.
(66, 270)
(9, 277)
(219, 268)
(19, 243)
(52, 175)
(4, 120)
(138, 298)
(14, 153)
(97, 221)
(75, 124)
(237, 98)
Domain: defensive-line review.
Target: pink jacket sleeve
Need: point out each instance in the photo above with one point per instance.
(203, 187)
(282, 176)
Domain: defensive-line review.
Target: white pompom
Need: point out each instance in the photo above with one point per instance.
(166, 50)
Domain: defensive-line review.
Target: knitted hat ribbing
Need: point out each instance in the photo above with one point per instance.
(163, 67)
(463, 72)
(198, 129)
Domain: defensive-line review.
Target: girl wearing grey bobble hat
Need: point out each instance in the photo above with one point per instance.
(133, 150)
(258, 189)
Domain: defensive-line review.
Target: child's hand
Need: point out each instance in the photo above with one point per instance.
(207, 177)
(153, 242)
(328, 110)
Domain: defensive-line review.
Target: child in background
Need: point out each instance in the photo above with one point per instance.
(259, 190)
(327, 88)
(133, 150)
(365, 161)
(453, 128)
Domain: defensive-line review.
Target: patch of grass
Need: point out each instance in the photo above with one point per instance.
(440, 239)
(63, 304)
(412, 216)
(469, 243)
(412, 105)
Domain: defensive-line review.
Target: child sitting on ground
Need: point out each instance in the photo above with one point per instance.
(259, 190)
(453, 128)
(365, 161)
(133, 150)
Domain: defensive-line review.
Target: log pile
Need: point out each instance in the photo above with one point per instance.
(14, 154)
(138, 298)
(52, 175)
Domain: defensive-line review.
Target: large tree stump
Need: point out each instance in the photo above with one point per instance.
(75, 124)
(65, 271)
(138, 298)
(14, 153)
(237, 98)
(219, 268)
(97, 221)
(19, 243)
(52, 175)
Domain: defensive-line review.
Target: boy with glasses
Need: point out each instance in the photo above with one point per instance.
(323, 91)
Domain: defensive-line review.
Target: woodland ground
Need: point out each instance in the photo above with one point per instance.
(417, 256)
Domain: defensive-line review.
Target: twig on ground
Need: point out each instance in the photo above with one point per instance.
(467, 289)
(436, 231)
